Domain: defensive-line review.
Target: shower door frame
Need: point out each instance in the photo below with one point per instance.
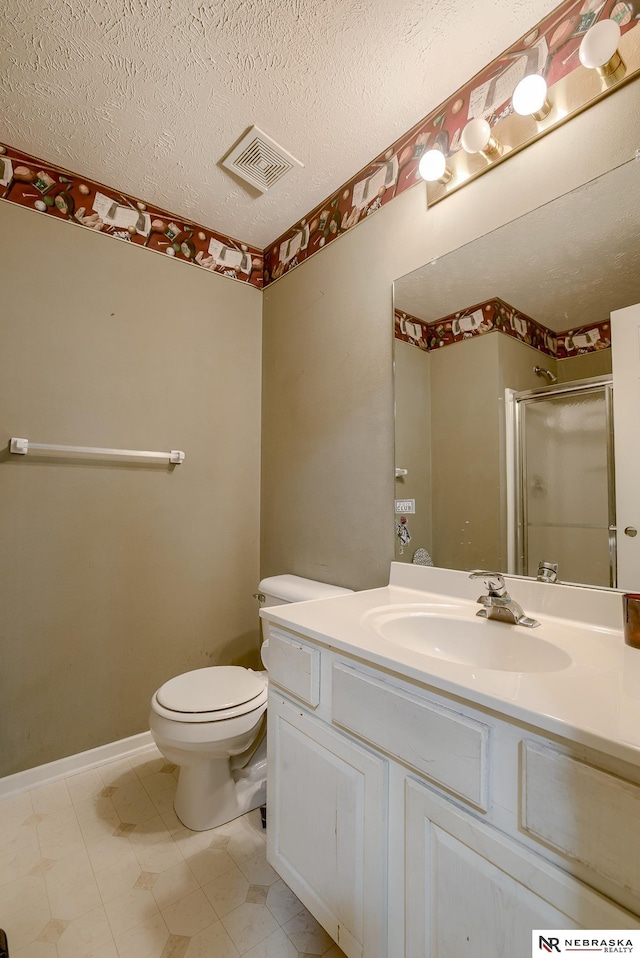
(516, 469)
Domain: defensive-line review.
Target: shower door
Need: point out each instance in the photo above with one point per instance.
(566, 507)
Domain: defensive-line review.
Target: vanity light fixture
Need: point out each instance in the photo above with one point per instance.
(433, 167)
(477, 138)
(530, 97)
(599, 50)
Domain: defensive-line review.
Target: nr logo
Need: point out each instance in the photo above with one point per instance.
(548, 944)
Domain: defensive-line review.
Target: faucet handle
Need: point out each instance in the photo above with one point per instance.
(493, 581)
(547, 572)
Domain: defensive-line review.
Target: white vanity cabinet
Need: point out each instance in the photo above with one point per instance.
(413, 823)
(327, 807)
(472, 890)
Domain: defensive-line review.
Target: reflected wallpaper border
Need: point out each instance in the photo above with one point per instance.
(495, 315)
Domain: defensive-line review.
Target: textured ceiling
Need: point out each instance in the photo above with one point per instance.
(567, 264)
(148, 95)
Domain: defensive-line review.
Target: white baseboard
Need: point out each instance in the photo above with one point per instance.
(74, 764)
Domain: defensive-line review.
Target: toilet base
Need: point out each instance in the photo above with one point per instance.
(210, 794)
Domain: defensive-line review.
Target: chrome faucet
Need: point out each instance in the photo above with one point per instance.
(498, 604)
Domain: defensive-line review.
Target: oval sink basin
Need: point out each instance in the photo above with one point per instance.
(474, 642)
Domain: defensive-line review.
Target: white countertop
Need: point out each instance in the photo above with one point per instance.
(594, 701)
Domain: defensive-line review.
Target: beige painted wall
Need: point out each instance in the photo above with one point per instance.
(328, 452)
(465, 452)
(413, 442)
(115, 577)
(585, 366)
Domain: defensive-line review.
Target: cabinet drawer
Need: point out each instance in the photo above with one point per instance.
(449, 749)
(582, 812)
(294, 666)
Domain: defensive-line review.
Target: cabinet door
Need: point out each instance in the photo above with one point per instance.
(326, 831)
(473, 891)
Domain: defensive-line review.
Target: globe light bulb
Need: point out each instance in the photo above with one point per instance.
(530, 97)
(599, 50)
(433, 167)
(477, 138)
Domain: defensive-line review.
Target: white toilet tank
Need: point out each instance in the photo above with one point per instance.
(282, 589)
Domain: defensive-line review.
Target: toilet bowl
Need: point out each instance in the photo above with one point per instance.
(211, 723)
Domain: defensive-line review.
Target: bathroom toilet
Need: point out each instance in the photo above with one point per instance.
(211, 722)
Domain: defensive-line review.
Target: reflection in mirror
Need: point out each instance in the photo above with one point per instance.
(507, 393)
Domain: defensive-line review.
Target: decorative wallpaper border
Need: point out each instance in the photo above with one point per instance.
(52, 190)
(584, 339)
(550, 48)
(496, 315)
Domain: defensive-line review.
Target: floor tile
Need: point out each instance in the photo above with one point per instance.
(190, 843)
(146, 763)
(18, 861)
(129, 792)
(94, 809)
(71, 887)
(245, 844)
(24, 922)
(173, 884)
(84, 786)
(51, 798)
(277, 945)
(41, 868)
(105, 951)
(257, 894)
(209, 864)
(176, 946)
(161, 789)
(52, 930)
(109, 851)
(138, 810)
(307, 935)
(129, 909)
(13, 837)
(258, 871)
(37, 949)
(146, 940)
(146, 880)
(282, 903)
(227, 892)
(248, 925)
(15, 810)
(153, 830)
(84, 935)
(213, 942)
(158, 857)
(113, 772)
(120, 877)
(59, 834)
(189, 915)
(25, 892)
(254, 819)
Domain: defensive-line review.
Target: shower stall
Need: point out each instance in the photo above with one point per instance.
(560, 464)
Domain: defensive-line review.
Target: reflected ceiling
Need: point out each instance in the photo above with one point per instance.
(567, 264)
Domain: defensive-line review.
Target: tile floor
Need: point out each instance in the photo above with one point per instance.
(99, 866)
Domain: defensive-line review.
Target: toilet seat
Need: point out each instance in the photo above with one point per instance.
(210, 694)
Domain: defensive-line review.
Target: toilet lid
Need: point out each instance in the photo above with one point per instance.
(210, 690)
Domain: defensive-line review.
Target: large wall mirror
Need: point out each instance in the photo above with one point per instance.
(518, 397)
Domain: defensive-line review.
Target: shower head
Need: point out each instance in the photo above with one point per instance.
(546, 373)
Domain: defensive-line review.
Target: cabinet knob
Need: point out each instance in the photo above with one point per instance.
(631, 531)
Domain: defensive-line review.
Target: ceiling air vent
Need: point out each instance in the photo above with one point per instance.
(259, 160)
